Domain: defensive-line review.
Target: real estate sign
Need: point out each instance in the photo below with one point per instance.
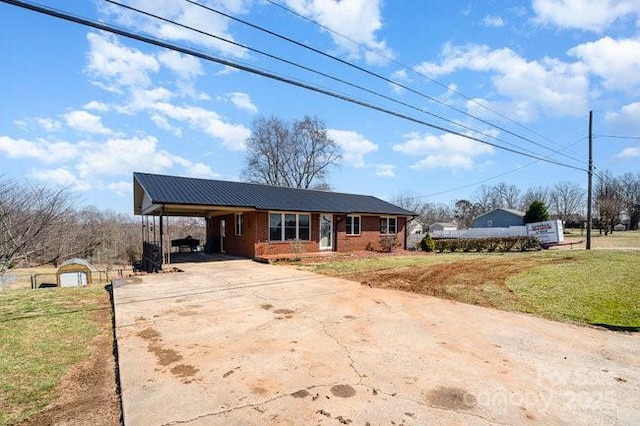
(548, 232)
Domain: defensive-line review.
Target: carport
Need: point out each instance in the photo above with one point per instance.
(155, 222)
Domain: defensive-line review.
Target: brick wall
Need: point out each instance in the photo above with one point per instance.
(369, 238)
(255, 239)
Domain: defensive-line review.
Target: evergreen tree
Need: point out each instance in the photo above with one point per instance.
(537, 212)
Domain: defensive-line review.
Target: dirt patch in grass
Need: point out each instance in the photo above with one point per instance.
(472, 281)
(87, 395)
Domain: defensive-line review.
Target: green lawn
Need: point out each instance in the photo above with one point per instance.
(594, 287)
(42, 333)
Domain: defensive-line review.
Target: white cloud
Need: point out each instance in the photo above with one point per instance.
(201, 170)
(444, 151)
(186, 67)
(592, 15)
(617, 62)
(96, 106)
(629, 153)
(118, 156)
(627, 118)
(120, 188)
(385, 170)
(354, 146)
(118, 65)
(493, 21)
(359, 20)
(63, 177)
(86, 122)
(551, 86)
(47, 124)
(163, 123)
(41, 149)
(186, 14)
(232, 136)
(242, 101)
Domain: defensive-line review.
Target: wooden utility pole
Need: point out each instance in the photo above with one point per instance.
(589, 181)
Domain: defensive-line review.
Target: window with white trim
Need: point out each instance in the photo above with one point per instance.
(239, 224)
(388, 225)
(353, 225)
(289, 226)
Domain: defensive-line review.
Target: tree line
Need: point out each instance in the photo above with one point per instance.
(615, 200)
(40, 224)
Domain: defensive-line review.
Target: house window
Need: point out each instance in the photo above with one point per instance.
(388, 225)
(289, 226)
(353, 225)
(239, 224)
(489, 223)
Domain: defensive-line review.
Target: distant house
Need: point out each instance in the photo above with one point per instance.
(499, 218)
(441, 226)
(251, 220)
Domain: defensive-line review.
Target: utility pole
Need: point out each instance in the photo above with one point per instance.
(589, 181)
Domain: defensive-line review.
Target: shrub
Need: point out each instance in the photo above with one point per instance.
(486, 244)
(427, 244)
(388, 243)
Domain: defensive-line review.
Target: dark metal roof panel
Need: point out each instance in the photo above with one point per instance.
(163, 189)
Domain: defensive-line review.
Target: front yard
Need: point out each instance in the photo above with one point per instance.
(593, 287)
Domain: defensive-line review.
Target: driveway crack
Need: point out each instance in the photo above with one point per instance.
(346, 351)
(225, 411)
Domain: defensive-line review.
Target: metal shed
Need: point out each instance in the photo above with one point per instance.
(74, 273)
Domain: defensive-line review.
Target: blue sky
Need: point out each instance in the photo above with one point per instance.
(85, 109)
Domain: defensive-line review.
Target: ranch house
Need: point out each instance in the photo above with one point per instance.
(263, 221)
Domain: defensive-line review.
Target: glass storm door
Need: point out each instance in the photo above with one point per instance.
(326, 231)
(223, 232)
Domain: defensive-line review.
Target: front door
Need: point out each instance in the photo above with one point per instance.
(326, 231)
(223, 231)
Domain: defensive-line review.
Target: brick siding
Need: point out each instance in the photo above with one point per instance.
(255, 239)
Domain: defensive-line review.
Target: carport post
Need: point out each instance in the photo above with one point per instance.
(161, 237)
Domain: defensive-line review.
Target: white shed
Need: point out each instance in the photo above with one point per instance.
(74, 273)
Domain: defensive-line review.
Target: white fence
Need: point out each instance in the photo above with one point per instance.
(512, 231)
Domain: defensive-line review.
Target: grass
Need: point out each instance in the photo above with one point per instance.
(617, 240)
(594, 287)
(42, 333)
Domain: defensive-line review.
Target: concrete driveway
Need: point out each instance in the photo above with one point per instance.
(242, 343)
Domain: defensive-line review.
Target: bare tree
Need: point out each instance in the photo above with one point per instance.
(484, 200)
(297, 155)
(464, 213)
(409, 201)
(27, 214)
(506, 196)
(538, 193)
(630, 188)
(609, 202)
(501, 195)
(567, 201)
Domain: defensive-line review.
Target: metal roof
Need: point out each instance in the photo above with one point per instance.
(163, 190)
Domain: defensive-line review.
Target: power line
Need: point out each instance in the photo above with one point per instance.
(369, 72)
(446, 87)
(321, 74)
(297, 65)
(267, 74)
(618, 137)
(490, 178)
